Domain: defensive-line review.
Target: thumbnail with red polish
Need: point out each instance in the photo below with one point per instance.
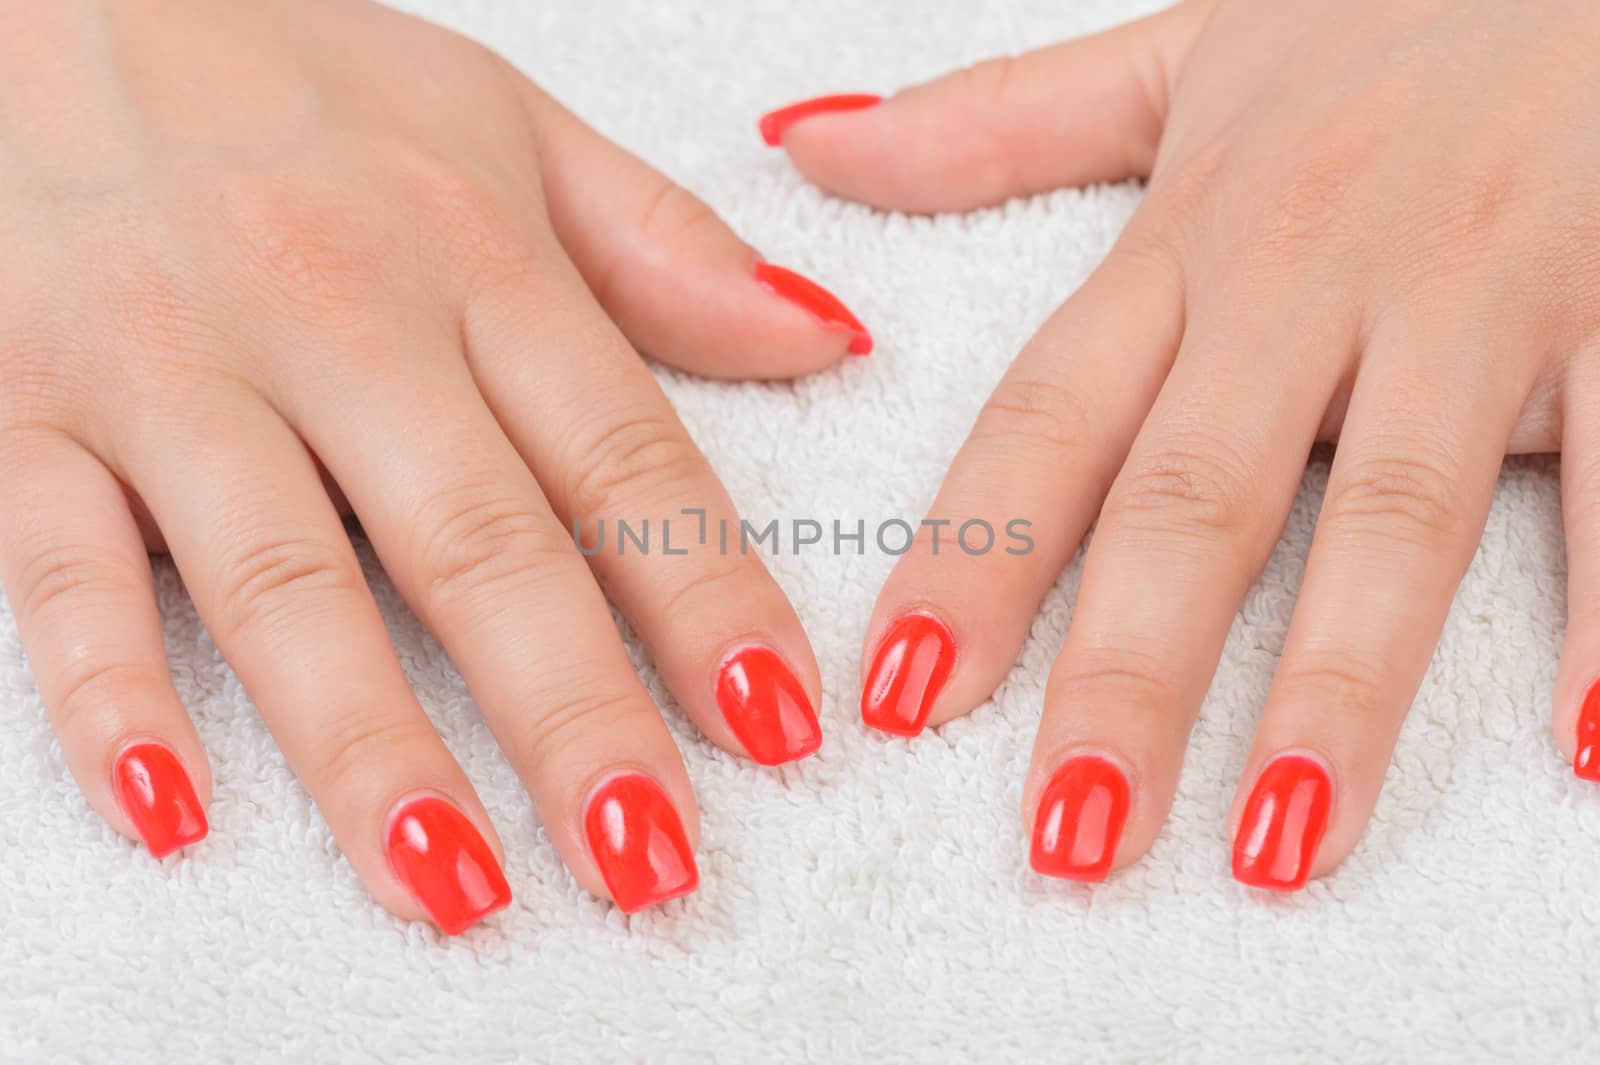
(912, 664)
(1283, 822)
(766, 706)
(1587, 762)
(158, 797)
(639, 844)
(775, 123)
(440, 857)
(1080, 820)
(823, 306)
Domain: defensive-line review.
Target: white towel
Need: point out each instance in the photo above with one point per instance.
(874, 902)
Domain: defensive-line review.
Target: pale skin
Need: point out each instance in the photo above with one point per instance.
(1373, 222)
(259, 275)
(252, 256)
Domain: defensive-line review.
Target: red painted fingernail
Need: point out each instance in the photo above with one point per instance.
(765, 706)
(1587, 762)
(1080, 819)
(823, 306)
(1283, 822)
(639, 843)
(775, 123)
(437, 853)
(913, 661)
(156, 794)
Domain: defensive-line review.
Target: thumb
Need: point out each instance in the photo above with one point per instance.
(1072, 114)
(679, 283)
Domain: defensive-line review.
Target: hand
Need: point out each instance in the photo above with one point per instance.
(1368, 221)
(265, 257)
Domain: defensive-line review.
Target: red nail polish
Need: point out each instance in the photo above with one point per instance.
(823, 306)
(639, 843)
(156, 794)
(913, 661)
(775, 123)
(1080, 820)
(765, 706)
(1587, 762)
(1283, 822)
(437, 853)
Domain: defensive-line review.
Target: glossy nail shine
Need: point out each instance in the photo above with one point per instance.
(1587, 762)
(766, 706)
(446, 864)
(914, 659)
(155, 792)
(823, 306)
(1079, 821)
(1283, 823)
(638, 842)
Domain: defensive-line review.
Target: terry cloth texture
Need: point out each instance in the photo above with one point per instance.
(873, 903)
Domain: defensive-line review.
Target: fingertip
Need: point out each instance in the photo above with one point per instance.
(774, 124)
(156, 795)
(825, 310)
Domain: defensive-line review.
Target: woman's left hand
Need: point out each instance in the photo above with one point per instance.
(1366, 220)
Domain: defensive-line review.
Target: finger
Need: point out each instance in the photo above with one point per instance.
(616, 462)
(79, 583)
(1187, 526)
(680, 284)
(274, 577)
(1021, 493)
(1577, 692)
(1410, 489)
(1076, 113)
(460, 524)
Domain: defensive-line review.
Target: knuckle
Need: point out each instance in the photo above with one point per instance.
(271, 581)
(1453, 226)
(1132, 677)
(1192, 484)
(465, 209)
(70, 578)
(570, 715)
(1307, 208)
(351, 745)
(1031, 414)
(634, 461)
(714, 585)
(298, 249)
(90, 691)
(673, 212)
(1410, 497)
(476, 544)
(1346, 683)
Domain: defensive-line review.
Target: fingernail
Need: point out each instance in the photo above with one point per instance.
(156, 794)
(639, 844)
(766, 707)
(1587, 762)
(440, 857)
(823, 306)
(913, 661)
(1080, 819)
(775, 123)
(1283, 822)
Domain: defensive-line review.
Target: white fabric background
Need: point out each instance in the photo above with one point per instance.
(873, 903)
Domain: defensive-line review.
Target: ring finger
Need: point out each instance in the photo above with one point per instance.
(471, 542)
(1186, 527)
(272, 572)
(1419, 454)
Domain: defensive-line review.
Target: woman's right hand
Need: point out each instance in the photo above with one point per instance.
(257, 266)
